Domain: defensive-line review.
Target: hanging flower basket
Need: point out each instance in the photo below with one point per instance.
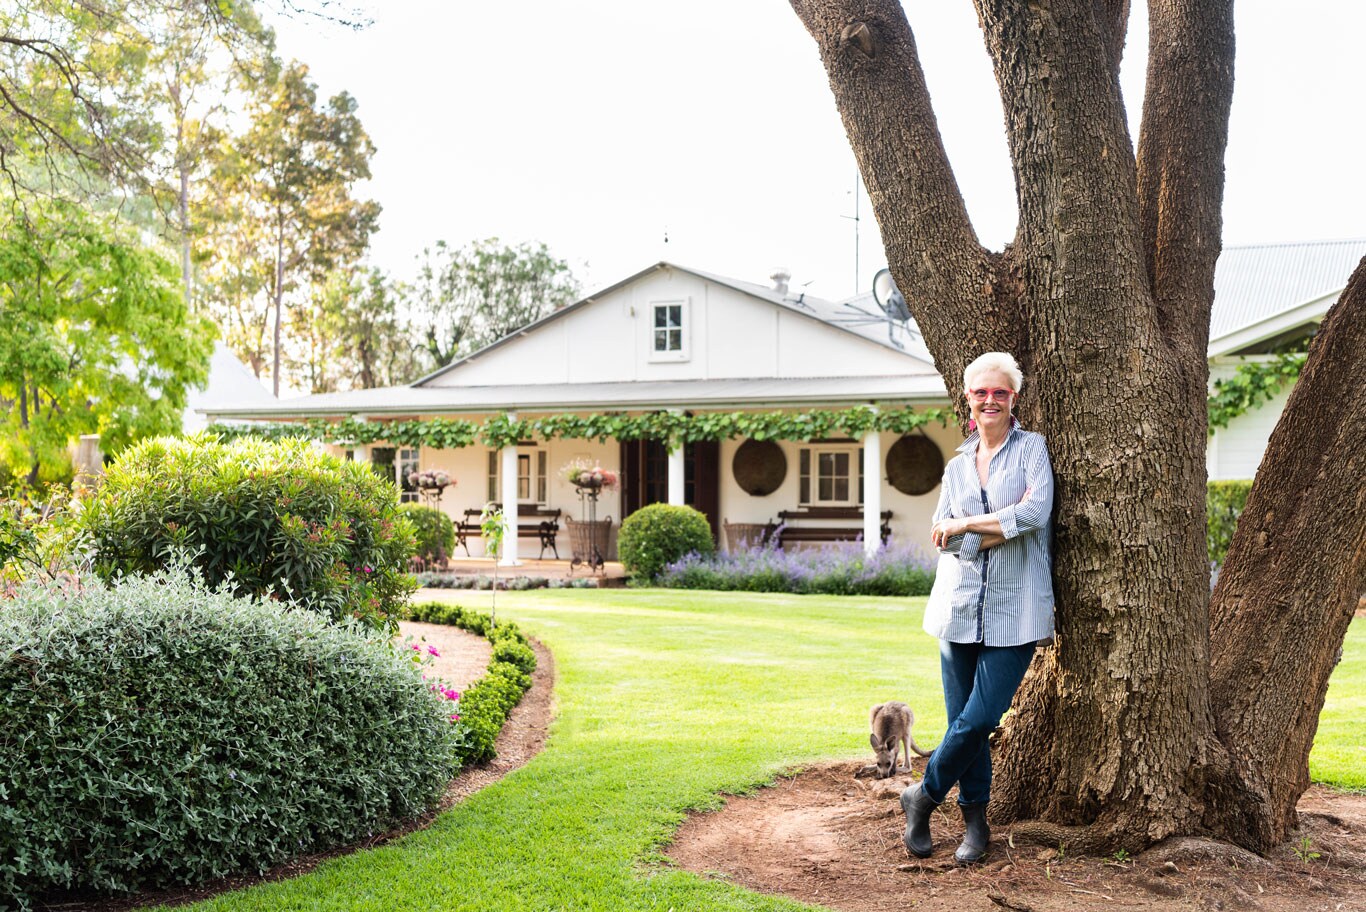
(431, 480)
(590, 477)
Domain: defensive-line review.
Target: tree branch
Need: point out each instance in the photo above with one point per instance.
(870, 56)
(1181, 164)
(1069, 143)
(1294, 571)
(1112, 16)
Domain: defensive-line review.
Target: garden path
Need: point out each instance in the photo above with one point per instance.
(463, 656)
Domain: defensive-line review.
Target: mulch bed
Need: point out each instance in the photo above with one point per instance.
(823, 836)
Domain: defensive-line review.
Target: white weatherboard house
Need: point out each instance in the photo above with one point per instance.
(674, 338)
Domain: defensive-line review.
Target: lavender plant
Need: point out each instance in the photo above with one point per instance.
(841, 568)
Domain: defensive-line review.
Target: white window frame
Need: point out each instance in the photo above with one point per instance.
(809, 481)
(406, 461)
(683, 330)
(538, 483)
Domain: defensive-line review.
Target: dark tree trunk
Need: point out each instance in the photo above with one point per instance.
(1104, 297)
(1295, 570)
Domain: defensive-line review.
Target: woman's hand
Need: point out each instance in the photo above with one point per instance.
(945, 529)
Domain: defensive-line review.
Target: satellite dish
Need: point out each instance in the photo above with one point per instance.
(889, 297)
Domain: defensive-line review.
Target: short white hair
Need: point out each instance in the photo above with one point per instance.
(994, 361)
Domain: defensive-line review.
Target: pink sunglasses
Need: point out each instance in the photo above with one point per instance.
(999, 394)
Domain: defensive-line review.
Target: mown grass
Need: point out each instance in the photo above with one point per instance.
(1339, 755)
(666, 698)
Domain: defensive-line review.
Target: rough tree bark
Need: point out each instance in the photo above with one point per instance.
(1121, 736)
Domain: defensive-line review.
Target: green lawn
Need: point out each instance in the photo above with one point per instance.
(666, 698)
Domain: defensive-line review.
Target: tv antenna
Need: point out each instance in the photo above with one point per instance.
(855, 219)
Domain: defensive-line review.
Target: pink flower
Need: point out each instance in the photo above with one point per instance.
(417, 647)
(432, 650)
(455, 717)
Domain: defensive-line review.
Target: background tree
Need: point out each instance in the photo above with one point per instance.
(466, 298)
(355, 335)
(98, 338)
(291, 173)
(1157, 713)
(199, 59)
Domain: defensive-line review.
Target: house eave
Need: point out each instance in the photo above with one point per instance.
(585, 405)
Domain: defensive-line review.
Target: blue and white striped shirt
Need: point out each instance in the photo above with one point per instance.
(1002, 596)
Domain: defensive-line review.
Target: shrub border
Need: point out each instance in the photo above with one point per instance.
(485, 704)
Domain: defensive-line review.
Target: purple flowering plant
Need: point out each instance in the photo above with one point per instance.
(839, 568)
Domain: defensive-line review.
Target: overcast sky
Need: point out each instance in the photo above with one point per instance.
(600, 127)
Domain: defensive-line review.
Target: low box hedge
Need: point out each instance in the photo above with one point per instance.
(485, 704)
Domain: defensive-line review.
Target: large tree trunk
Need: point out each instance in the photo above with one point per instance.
(1295, 570)
(1104, 296)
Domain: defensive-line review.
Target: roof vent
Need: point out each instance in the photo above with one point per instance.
(781, 276)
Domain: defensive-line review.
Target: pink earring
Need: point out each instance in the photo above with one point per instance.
(972, 425)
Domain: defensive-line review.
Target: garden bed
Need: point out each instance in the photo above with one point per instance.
(522, 737)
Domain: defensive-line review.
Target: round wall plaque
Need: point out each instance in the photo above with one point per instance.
(759, 467)
(915, 465)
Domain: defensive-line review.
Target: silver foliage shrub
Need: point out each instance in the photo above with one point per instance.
(158, 732)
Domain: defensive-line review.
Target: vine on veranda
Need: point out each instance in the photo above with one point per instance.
(672, 427)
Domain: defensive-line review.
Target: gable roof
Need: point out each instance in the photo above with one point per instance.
(1261, 290)
(804, 305)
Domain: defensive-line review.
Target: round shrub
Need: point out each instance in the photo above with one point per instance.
(279, 518)
(433, 532)
(657, 535)
(161, 733)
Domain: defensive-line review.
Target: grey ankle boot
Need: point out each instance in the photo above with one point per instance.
(918, 807)
(976, 836)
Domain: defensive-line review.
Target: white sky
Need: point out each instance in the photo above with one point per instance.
(598, 126)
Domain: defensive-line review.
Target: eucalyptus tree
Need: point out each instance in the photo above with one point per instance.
(291, 175)
(355, 335)
(470, 296)
(1161, 711)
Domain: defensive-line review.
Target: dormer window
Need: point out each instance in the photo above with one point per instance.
(669, 330)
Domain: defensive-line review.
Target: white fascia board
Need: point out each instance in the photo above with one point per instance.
(1308, 312)
(709, 405)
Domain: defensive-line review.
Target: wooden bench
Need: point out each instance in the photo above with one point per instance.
(790, 533)
(532, 522)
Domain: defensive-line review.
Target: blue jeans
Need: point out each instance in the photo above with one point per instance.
(979, 683)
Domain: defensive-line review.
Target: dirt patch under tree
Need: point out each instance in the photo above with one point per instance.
(823, 836)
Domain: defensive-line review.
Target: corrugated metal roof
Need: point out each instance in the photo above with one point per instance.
(1255, 282)
(735, 393)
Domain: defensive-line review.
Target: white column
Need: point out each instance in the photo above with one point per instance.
(360, 453)
(509, 469)
(677, 473)
(872, 492)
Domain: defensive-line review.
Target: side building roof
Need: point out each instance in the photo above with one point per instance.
(1261, 290)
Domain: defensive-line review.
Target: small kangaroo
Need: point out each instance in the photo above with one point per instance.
(891, 735)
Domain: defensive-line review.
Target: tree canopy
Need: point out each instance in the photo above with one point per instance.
(97, 338)
(471, 296)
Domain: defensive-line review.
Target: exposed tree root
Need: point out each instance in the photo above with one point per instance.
(1195, 848)
(1084, 840)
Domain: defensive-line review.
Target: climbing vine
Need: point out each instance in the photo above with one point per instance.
(672, 427)
(1251, 385)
